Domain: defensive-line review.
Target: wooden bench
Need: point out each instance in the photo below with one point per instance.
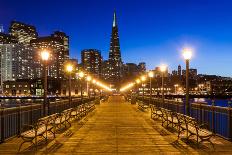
(142, 106)
(155, 112)
(30, 133)
(169, 117)
(193, 128)
(63, 118)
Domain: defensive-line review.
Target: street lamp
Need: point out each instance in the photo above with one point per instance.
(150, 75)
(143, 78)
(45, 56)
(81, 75)
(163, 68)
(187, 54)
(89, 78)
(69, 69)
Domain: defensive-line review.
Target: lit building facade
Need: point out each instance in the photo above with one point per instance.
(16, 62)
(92, 61)
(24, 33)
(59, 53)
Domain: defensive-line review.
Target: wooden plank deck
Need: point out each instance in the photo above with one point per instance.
(117, 127)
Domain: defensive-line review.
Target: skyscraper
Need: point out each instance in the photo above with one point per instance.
(179, 70)
(92, 61)
(115, 61)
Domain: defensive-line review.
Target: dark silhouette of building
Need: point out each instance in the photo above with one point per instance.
(115, 61)
(7, 39)
(92, 61)
(142, 67)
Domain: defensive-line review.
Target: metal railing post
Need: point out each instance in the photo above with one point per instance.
(2, 126)
(213, 110)
(229, 120)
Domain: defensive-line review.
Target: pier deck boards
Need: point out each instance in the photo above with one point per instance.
(117, 127)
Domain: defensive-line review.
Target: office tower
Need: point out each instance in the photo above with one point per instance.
(142, 67)
(24, 33)
(92, 61)
(115, 61)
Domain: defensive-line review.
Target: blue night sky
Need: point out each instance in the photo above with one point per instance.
(153, 31)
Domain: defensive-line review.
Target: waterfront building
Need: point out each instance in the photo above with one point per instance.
(92, 61)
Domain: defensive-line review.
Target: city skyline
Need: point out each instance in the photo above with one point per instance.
(204, 34)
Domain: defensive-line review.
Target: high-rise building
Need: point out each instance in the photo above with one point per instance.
(92, 61)
(65, 39)
(58, 55)
(105, 70)
(16, 61)
(1, 28)
(192, 73)
(24, 33)
(130, 71)
(115, 61)
(179, 70)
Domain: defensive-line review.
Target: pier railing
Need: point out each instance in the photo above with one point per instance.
(13, 119)
(218, 119)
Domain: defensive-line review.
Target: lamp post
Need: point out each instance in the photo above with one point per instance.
(45, 56)
(187, 53)
(69, 69)
(176, 85)
(163, 69)
(89, 78)
(94, 93)
(143, 78)
(81, 75)
(151, 75)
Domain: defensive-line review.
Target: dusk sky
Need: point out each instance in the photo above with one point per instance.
(153, 31)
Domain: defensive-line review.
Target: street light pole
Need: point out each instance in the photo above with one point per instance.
(45, 57)
(187, 53)
(151, 75)
(81, 75)
(163, 69)
(45, 88)
(187, 88)
(162, 88)
(69, 69)
(143, 78)
(69, 91)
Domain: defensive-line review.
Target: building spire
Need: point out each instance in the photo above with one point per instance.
(115, 19)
